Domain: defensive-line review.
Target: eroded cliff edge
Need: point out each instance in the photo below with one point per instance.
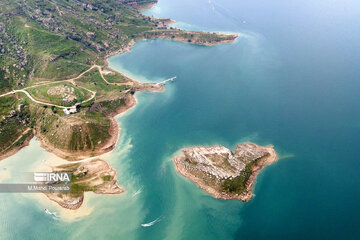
(222, 173)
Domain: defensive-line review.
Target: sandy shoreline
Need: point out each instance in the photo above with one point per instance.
(245, 196)
(64, 213)
(131, 101)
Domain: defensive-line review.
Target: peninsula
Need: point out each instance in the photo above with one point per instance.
(55, 82)
(222, 173)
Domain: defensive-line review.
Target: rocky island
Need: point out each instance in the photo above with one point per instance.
(90, 176)
(222, 173)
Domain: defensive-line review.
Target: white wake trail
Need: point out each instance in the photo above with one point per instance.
(151, 223)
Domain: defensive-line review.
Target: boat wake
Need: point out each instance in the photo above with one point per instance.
(151, 223)
(136, 193)
(226, 13)
(47, 211)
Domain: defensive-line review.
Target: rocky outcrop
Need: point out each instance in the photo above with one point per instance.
(222, 173)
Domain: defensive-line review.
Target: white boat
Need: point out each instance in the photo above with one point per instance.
(47, 211)
(151, 223)
(50, 213)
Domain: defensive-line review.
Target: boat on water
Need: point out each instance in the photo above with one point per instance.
(151, 223)
(47, 211)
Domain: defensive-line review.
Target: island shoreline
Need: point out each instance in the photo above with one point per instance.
(77, 201)
(246, 196)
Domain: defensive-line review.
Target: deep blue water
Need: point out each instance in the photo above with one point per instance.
(291, 80)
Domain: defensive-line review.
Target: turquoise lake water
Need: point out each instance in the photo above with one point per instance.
(292, 79)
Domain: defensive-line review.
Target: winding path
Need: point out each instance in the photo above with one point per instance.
(72, 81)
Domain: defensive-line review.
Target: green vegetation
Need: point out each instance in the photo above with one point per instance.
(87, 176)
(57, 57)
(83, 131)
(191, 162)
(141, 2)
(78, 189)
(93, 81)
(107, 178)
(86, 130)
(7, 105)
(108, 107)
(63, 94)
(45, 41)
(189, 36)
(237, 184)
(114, 77)
(15, 124)
(56, 39)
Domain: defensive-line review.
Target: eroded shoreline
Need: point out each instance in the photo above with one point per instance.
(130, 102)
(194, 165)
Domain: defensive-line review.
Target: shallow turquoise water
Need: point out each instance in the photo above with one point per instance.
(291, 80)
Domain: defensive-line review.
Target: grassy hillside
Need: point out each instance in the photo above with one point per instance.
(45, 41)
(16, 123)
(63, 94)
(56, 39)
